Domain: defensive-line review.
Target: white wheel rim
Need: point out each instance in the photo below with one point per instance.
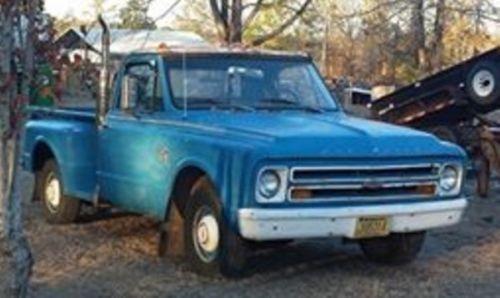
(483, 83)
(206, 235)
(52, 192)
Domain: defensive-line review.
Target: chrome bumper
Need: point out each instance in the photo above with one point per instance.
(297, 223)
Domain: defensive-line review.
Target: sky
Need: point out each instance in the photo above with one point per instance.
(62, 8)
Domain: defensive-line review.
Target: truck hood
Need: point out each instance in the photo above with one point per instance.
(302, 134)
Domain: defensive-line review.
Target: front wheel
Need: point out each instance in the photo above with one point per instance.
(57, 207)
(395, 249)
(212, 247)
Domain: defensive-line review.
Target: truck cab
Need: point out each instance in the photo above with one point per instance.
(250, 147)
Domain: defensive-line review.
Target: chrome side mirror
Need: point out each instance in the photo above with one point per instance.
(128, 93)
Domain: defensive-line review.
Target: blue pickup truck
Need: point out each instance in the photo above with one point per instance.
(251, 148)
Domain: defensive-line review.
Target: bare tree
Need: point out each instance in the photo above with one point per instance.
(437, 45)
(229, 17)
(14, 248)
(419, 49)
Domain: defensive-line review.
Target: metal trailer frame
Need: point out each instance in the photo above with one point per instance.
(447, 105)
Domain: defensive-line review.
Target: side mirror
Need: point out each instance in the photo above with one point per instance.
(128, 93)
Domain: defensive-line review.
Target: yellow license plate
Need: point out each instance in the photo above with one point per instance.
(368, 227)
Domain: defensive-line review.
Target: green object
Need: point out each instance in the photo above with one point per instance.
(44, 88)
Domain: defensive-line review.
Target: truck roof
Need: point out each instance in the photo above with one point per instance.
(222, 51)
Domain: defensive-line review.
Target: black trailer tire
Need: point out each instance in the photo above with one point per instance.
(57, 207)
(204, 222)
(395, 249)
(483, 86)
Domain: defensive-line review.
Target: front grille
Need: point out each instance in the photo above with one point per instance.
(363, 182)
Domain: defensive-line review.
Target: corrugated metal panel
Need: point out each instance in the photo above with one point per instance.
(124, 41)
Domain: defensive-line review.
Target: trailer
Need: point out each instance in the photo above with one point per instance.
(457, 104)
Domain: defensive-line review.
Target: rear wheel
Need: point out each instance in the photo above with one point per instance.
(395, 249)
(212, 247)
(57, 207)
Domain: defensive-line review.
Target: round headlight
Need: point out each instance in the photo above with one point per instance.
(449, 178)
(269, 184)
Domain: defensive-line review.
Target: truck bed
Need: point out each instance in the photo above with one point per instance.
(80, 113)
(70, 135)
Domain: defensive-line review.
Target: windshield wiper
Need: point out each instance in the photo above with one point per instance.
(223, 103)
(310, 108)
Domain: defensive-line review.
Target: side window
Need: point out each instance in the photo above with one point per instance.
(141, 89)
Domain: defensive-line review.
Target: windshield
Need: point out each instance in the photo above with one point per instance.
(248, 83)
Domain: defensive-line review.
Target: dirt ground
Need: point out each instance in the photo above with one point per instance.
(115, 256)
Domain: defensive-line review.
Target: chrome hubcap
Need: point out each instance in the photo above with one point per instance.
(483, 83)
(52, 192)
(206, 235)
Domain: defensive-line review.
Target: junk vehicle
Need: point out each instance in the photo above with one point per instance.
(356, 100)
(250, 148)
(454, 104)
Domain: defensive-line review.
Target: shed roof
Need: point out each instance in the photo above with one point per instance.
(124, 41)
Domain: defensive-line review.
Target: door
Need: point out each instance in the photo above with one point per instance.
(130, 166)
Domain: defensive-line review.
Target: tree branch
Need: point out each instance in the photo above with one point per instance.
(380, 5)
(221, 16)
(255, 10)
(262, 39)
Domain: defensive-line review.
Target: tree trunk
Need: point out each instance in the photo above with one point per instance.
(236, 26)
(231, 26)
(438, 43)
(418, 29)
(15, 254)
(220, 14)
(325, 62)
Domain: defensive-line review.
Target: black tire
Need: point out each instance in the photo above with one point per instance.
(483, 86)
(38, 187)
(395, 249)
(229, 257)
(67, 209)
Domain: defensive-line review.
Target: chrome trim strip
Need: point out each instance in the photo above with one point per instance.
(356, 168)
(360, 186)
(366, 179)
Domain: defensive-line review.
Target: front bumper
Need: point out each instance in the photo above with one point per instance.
(297, 223)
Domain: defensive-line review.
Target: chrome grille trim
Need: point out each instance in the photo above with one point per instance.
(435, 167)
(360, 186)
(356, 181)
